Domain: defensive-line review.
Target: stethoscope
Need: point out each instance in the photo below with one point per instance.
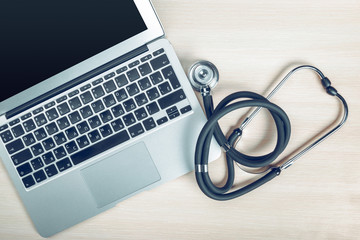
(204, 76)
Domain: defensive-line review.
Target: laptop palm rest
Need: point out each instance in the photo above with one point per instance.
(120, 174)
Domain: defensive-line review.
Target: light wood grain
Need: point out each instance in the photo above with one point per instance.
(253, 43)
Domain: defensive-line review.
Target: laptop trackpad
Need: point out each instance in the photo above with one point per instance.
(121, 174)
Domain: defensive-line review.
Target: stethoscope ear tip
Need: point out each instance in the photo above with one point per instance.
(203, 74)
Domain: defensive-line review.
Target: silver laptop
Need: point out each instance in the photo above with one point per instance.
(95, 106)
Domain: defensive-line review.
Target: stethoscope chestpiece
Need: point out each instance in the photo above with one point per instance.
(203, 75)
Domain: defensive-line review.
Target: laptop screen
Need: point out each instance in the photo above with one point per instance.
(41, 38)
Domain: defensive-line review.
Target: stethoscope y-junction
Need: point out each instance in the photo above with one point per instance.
(204, 76)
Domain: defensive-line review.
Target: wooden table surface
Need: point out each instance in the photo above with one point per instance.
(254, 44)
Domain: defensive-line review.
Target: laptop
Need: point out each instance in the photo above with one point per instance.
(94, 108)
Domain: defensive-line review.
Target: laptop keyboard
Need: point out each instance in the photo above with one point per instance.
(100, 114)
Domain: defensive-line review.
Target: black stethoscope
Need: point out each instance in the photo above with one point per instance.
(204, 76)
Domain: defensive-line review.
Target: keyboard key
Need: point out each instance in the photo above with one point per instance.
(63, 123)
(14, 146)
(49, 105)
(144, 83)
(52, 114)
(28, 181)
(48, 158)
(21, 157)
(109, 75)
(133, 75)
(144, 69)
(133, 64)
(6, 136)
(121, 95)
(136, 130)
(86, 112)
(146, 58)
(129, 119)
(36, 163)
(51, 128)
(100, 147)
(26, 116)
(153, 94)
(106, 116)
(39, 176)
(64, 164)
(37, 149)
(117, 125)
(71, 147)
(75, 103)
(141, 99)
(83, 127)
(60, 138)
(105, 130)
(63, 108)
(152, 108)
(140, 114)
(94, 122)
(40, 134)
(24, 169)
(159, 62)
(73, 93)
(186, 109)
(83, 141)
(29, 125)
(156, 78)
(48, 144)
(132, 89)
(74, 117)
(3, 127)
(13, 122)
(18, 131)
(171, 99)
(71, 133)
(59, 152)
(61, 99)
(169, 73)
(97, 106)
(118, 110)
(86, 87)
(174, 82)
(109, 100)
(121, 70)
(129, 105)
(97, 81)
(109, 86)
(28, 139)
(149, 124)
(51, 170)
(162, 120)
(164, 88)
(94, 136)
(121, 80)
(40, 119)
(98, 92)
(38, 110)
(86, 97)
(172, 112)
(158, 52)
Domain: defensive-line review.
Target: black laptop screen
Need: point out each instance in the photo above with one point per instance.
(41, 38)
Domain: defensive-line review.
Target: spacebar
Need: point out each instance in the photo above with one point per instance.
(100, 147)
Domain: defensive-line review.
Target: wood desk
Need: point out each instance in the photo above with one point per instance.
(254, 44)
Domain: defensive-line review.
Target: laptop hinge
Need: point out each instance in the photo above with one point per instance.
(76, 81)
